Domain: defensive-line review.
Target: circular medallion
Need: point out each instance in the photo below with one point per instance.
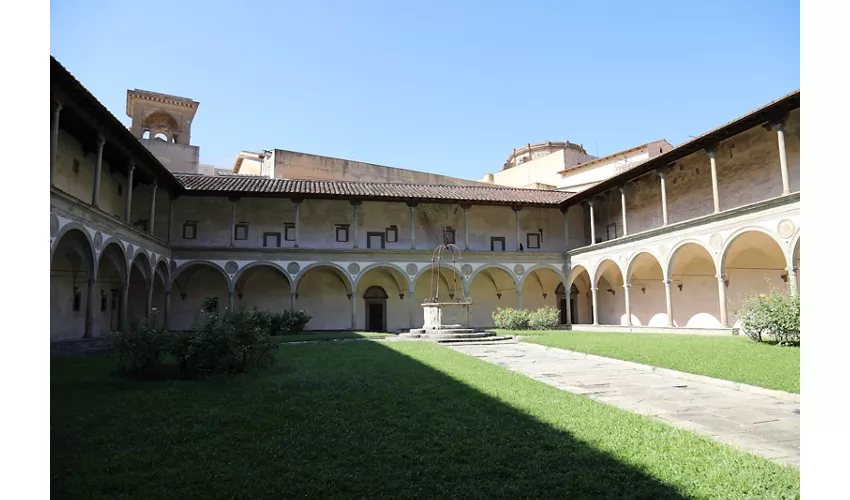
(715, 241)
(231, 267)
(54, 225)
(98, 240)
(353, 268)
(293, 268)
(786, 228)
(466, 269)
(411, 269)
(519, 269)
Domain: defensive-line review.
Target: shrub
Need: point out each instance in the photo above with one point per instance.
(142, 348)
(284, 322)
(775, 315)
(511, 319)
(545, 318)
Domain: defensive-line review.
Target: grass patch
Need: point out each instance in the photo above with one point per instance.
(374, 420)
(733, 358)
(301, 337)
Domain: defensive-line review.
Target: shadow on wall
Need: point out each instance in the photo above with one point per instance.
(338, 414)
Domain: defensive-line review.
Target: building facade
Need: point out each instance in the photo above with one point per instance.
(675, 241)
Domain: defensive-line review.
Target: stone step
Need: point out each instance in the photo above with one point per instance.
(443, 331)
(470, 335)
(481, 340)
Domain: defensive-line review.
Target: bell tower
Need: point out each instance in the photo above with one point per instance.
(163, 123)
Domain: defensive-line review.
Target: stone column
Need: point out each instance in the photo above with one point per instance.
(516, 219)
(721, 295)
(149, 299)
(412, 310)
(626, 288)
(566, 231)
(231, 304)
(90, 311)
(783, 158)
(412, 208)
(153, 209)
(170, 219)
(792, 279)
(353, 299)
(54, 138)
(356, 205)
(232, 221)
(569, 311)
(166, 314)
(663, 176)
(669, 296)
(712, 153)
(518, 298)
(125, 306)
(297, 223)
(595, 306)
(466, 226)
(623, 204)
(592, 223)
(128, 202)
(293, 298)
(98, 166)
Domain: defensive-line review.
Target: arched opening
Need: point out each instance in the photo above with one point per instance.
(70, 270)
(647, 296)
(581, 303)
(390, 312)
(262, 287)
(693, 290)
(610, 296)
(140, 281)
(753, 263)
(192, 285)
(111, 272)
(490, 288)
(447, 281)
(160, 284)
(539, 289)
(161, 137)
(324, 292)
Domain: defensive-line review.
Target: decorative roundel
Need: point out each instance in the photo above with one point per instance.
(466, 269)
(231, 267)
(293, 268)
(519, 269)
(411, 268)
(54, 225)
(98, 240)
(716, 241)
(353, 268)
(786, 228)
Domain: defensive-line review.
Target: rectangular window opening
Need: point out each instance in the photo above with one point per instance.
(611, 230)
(497, 243)
(75, 166)
(392, 234)
(289, 231)
(448, 236)
(532, 240)
(271, 240)
(190, 230)
(240, 232)
(341, 233)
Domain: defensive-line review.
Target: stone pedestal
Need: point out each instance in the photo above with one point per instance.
(445, 315)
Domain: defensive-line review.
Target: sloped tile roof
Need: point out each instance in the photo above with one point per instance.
(249, 185)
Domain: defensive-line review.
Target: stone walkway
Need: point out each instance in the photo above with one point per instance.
(763, 425)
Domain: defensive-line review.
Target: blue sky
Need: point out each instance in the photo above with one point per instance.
(445, 87)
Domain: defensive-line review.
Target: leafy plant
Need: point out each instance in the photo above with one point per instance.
(545, 318)
(141, 349)
(511, 319)
(775, 316)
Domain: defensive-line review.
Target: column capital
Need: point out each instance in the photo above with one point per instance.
(668, 283)
(100, 140)
(792, 269)
(233, 199)
(594, 289)
(58, 106)
(465, 206)
(356, 203)
(623, 189)
(131, 165)
(711, 152)
(516, 208)
(297, 201)
(591, 202)
(661, 173)
(154, 184)
(627, 285)
(564, 210)
(412, 204)
(720, 277)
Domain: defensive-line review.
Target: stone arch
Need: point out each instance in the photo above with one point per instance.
(404, 276)
(540, 285)
(72, 272)
(140, 280)
(740, 232)
(262, 285)
(608, 280)
(327, 296)
(194, 281)
(343, 275)
(115, 242)
(580, 297)
(535, 267)
(645, 275)
(70, 227)
(425, 293)
(161, 122)
(395, 310)
(676, 247)
(193, 264)
(261, 263)
(694, 294)
(502, 267)
(492, 286)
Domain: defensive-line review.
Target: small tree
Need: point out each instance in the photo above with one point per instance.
(773, 315)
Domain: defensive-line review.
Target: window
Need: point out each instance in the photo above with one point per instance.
(102, 301)
(341, 233)
(240, 232)
(190, 230)
(375, 240)
(271, 240)
(75, 166)
(611, 230)
(532, 240)
(497, 244)
(78, 297)
(392, 234)
(449, 236)
(289, 231)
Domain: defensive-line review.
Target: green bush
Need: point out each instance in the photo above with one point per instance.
(141, 349)
(511, 319)
(545, 318)
(284, 322)
(774, 316)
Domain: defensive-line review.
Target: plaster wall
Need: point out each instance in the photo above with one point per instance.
(187, 296)
(180, 158)
(323, 294)
(263, 288)
(397, 309)
(79, 185)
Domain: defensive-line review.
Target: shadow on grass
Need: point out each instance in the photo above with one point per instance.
(347, 420)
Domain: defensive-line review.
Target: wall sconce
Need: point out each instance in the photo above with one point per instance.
(612, 291)
(680, 287)
(451, 296)
(499, 296)
(347, 295)
(544, 295)
(182, 295)
(643, 290)
(726, 281)
(239, 294)
(784, 277)
(401, 296)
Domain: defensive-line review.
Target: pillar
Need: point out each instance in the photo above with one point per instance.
(125, 306)
(90, 303)
(628, 298)
(293, 297)
(465, 226)
(567, 296)
(95, 194)
(592, 223)
(54, 138)
(232, 220)
(595, 306)
(516, 223)
(721, 295)
(149, 299)
(566, 231)
(353, 299)
(623, 204)
(519, 298)
(714, 191)
(356, 205)
(412, 309)
(297, 223)
(412, 208)
(166, 314)
(153, 209)
(663, 177)
(669, 296)
(783, 157)
(170, 219)
(792, 279)
(128, 202)
(230, 300)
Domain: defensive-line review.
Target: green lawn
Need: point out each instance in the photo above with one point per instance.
(735, 358)
(301, 337)
(374, 420)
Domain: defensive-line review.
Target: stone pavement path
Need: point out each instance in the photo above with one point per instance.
(763, 425)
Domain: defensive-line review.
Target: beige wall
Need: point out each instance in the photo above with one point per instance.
(80, 184)
(175, 157)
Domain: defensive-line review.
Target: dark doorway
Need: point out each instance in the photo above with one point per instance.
(376, 309)
(574, 304)
(562, 303)
(376, 315)
(114, 310)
